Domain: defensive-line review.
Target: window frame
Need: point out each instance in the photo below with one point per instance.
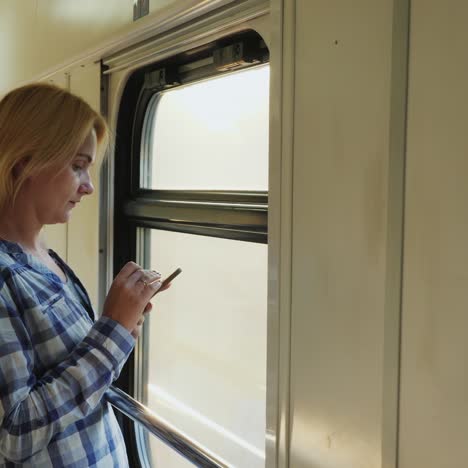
(238, 215)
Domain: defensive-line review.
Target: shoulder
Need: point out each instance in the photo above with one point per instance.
(7, 271)
(12, 271)
(8, 261)
(7, 266)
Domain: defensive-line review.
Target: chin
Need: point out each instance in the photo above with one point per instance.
(61, 219)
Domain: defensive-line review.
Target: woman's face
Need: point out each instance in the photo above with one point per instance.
(54, 193)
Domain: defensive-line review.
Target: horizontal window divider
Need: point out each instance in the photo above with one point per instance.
(233, 197)
(225, 215)
(225, 232)
(200, 204)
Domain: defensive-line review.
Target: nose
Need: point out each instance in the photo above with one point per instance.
(86, 188)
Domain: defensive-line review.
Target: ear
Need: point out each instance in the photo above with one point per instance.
(18, 168)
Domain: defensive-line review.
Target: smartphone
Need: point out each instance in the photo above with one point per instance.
(169, 279)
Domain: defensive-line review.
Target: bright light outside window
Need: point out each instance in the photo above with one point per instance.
(212, 135)
(206, 353)
(205, 340)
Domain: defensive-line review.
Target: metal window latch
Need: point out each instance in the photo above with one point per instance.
(234, 56)
(161, 79)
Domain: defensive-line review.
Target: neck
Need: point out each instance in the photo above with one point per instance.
(20, 229)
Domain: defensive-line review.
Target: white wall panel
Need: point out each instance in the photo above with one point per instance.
(341, 157)
(434, 380)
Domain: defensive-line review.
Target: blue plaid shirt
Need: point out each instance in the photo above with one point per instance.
(56, 364)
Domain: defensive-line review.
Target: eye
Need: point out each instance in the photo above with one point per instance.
(77, 167)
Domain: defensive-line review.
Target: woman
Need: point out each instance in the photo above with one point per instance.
(56, 360)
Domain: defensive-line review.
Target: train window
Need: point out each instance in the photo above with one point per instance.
(206, 344)
(211, 134)
(191, 181)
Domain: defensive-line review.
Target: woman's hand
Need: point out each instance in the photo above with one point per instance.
(136, 332)
(129, 295)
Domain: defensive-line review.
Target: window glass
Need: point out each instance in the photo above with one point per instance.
(211, 135)
(206, 346)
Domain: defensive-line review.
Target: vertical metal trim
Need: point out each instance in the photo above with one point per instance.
(395, 233)
(68, 88)
(146, 162)
(282, 54)
(105, 184)
(141, 360)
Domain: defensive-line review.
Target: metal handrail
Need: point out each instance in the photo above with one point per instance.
(162, 429)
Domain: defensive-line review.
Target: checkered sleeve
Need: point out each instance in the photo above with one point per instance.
(34, 408)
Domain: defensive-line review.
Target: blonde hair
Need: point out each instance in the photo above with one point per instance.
(43, 126)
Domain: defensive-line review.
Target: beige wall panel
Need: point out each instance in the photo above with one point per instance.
(56, 234)
(36, 35)
(83, 227)
(434, 379)
(158, 4)
(40, 34)
(17, 33)
(56, 238)
(65, 29)
(343, 55)
(61, 79)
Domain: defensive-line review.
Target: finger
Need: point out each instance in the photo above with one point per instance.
(166, 286)
(137, 278)
(163, 288)
(128, 269)
(153, 288)
(145, 277)
(152, 276)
